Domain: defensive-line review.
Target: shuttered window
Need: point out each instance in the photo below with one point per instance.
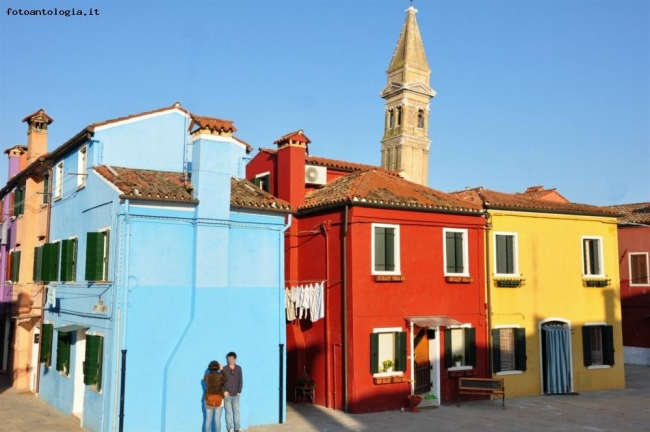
(68, 260)
(19, 202)
(263, 182)
(509, 349)
(455, 251)
(97, 247)
(46, 189)
(93, 361)
(63, 352)
(385, 249)
(591, 255)
(387, 346)
(15, 266)
(598, 345)
(9, 270)
(38, 264)
(639, 269)
(505, 254)
(47, 331)
(460, 342)
(50, 270)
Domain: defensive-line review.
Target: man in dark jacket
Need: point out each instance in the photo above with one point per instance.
(232, 391)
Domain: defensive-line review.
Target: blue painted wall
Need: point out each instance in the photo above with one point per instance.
(188, 284)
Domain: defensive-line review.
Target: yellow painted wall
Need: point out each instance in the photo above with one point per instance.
(550, 261)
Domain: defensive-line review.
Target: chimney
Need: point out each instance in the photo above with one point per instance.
(17, 159)
(292, 152)
(37, 124)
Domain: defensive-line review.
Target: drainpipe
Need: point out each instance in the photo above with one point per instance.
(344, 277)
(43, 297)
(488, 228)
(125, 313)
(281, 327)
(328, 365)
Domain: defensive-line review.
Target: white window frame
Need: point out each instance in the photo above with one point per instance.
(601, 259)
(264, 174)
(461, 326)
(82, 167)
(387, 330)
(465, 251)
(397, 253)
(598, 324)
(58, 181)
(515, 254)
(107, 253)
(508, 326)
(647, 268)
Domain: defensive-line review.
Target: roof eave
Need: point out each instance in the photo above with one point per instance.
(258, 209)
(550, 211)
(337, 205)
(155, 199)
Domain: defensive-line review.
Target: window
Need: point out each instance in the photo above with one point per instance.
(421, 119)
(598, 345)
(63, 352)
(263, 181)
(19, 202)
(385, 249)
(399, 116)
(69, 260)
(639, 274)
(391, 119)
(508, 349)
(82, 164)
(37, 275)
(460, 346)
(50, 261)
(15, 266)
(46, 344)
(455, 252)
(592, 256)
(46, 189)
(58, 181)
(387, 351)
(93, 363)
(506, 254)
(97, 250)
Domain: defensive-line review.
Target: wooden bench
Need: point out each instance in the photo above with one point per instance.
(482, 386)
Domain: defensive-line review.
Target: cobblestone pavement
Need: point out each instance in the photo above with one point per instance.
(604, 411)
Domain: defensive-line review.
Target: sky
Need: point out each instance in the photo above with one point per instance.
(529, 92)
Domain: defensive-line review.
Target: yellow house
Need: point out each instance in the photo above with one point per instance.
(553, 293)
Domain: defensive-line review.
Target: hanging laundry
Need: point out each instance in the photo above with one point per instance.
(305, 301)
(289, 305)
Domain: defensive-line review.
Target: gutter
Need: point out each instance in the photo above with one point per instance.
(547, 211)
(346, 204)
(155, 199)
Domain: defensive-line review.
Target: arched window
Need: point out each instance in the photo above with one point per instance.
(391, 119)
(421, 119)
(399, 116)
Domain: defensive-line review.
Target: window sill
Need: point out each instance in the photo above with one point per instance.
(512, 372)
(388, 374)
(389, 380)
(639, 285)
(599, 367)
(388, 278)
(459, 368)
(459, 279)
(57, 198)
(79, 187)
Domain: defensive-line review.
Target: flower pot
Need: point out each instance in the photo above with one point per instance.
(457, 364)
(414, 401)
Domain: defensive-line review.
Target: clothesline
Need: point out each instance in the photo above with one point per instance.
(305, 301)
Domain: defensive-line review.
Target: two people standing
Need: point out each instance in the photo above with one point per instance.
(223, 386)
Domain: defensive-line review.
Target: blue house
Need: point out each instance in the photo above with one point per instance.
(162, 258)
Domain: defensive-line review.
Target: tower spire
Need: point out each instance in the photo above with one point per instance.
(405, 145)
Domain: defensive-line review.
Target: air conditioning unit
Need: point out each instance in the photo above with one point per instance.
(315, 175)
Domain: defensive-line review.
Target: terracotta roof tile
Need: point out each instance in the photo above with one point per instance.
(246, 194)
(148, 184)
(177, 106)
(212, 123)
(378, 187)
(297, 136)
(638, 213)
(538, 192)
(335, 164)
(40, 112)
(522, 202)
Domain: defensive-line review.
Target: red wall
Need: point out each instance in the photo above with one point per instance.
(635, 300)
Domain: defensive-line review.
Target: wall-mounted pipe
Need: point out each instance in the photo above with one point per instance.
(344, 277)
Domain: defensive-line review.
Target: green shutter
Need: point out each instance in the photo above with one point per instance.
(458, 242)
(390, 249)
(586, 345)
(496, 349)
(15, 267)
(51, 262)
(46, 189)
(374, 353)
(510, 254)
(520, 349)
(46, 343)
(93, 361)
(448, 354)
(608, 345)
(400, 351)
(63, 352)
(94, 256)
(36, 272)
(450, 252)
(502, 255)
(470, 346)
(380, 249)
(68, 259)
(16, 201)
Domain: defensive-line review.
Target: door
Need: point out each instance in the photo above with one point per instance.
(79, 388)
(426, 365)
(33, 372)
(556, 358)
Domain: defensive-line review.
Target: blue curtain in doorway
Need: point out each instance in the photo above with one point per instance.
(557, 359)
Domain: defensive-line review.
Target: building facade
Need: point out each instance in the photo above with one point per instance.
(553, 294)
(402, 273)
(154, 235)
(634, 249)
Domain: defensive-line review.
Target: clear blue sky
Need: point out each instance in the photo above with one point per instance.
(529, 92)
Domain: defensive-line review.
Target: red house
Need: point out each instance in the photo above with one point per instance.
(404, 280)
(634, 250)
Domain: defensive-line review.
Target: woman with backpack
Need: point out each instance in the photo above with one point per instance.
(214, 381)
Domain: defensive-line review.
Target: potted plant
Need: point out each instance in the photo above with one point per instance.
(413, 402)
(458, 359)
(388, 365)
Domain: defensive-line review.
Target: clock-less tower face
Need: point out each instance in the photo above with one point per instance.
(405, 145)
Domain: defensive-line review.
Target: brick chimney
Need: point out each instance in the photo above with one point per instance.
(37, 124)
(292, 152)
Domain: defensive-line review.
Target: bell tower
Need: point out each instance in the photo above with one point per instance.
(405, 145)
